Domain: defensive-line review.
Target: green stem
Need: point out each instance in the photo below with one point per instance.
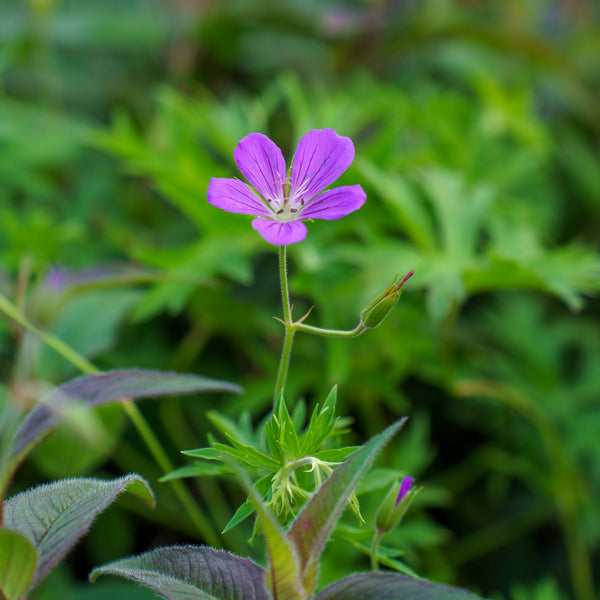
(340, 333)
(290, 328)
(12, 311)
(375, 550)
(138, 420)
(165, 464)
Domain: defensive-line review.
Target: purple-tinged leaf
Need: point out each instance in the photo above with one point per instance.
(18, 558)
(192, 573)
(53, 517)
(95, 390)
(311, 529)
(391, 586)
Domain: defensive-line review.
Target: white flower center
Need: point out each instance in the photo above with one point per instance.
(287, 206)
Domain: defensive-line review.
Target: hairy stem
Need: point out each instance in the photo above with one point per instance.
(290, 328)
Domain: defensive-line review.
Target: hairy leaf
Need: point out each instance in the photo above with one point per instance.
(55, 516)
(312, 527)
(95, 390)
(192, 573)
(391, 586)
(18, 558)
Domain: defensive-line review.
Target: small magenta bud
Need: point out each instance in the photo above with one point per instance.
(374, 313)
(404, 489)
(395, 504)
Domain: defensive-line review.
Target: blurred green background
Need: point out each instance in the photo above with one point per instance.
(477, 129)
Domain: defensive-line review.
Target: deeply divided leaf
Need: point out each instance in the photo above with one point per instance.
(53, 517)
(391, 586)
(192, 573)
(312, 527)
(18, 558)
(95, 390)
(321, 424)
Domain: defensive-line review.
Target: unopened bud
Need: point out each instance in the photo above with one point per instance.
(374, 313)
(395, 504)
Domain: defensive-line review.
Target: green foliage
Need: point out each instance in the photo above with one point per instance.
(392, 587)
(17, 565)
(476, 129)
(95, 390)
(187, 572)
(178, 573)
(55, 516)
(286, 459)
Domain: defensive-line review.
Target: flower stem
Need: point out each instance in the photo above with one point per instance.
(290, 327)
(340, 333)
(375, 550)
(145, 431)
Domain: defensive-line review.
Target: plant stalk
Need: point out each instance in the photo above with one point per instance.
(290, 328)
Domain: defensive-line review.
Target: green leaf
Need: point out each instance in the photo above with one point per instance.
(228, 427)
(55, 516)
(272, 435)
(243, 511)
(96, 390)
(198, 469)
(322, 422)
(258, 458)
(336, 454)
(246, 456)
(192, 573)
(288, 437)
(247, 508)
(391, 586)
(312, 527)
(206, 453)
(18, 558)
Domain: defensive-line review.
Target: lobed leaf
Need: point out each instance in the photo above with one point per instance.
(18, 558)
(192, 573)
(53, 517)
(312, 527)
(262, 486)
(391, 586)
(95, 390)
(287, 437)
(322, 422)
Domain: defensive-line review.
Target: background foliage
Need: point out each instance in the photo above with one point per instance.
(476, 126)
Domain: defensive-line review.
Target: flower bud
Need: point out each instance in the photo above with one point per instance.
(395, 504)
(374, 313)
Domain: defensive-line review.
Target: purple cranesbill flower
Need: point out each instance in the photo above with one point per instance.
(281, 202)
(404, 489)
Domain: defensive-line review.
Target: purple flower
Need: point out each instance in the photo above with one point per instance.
(280, 202)
(404, 489)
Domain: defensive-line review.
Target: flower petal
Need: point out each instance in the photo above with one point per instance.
(334, 204)
(263, 165)
(280, 233)
(321, 157)
(235, 196)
